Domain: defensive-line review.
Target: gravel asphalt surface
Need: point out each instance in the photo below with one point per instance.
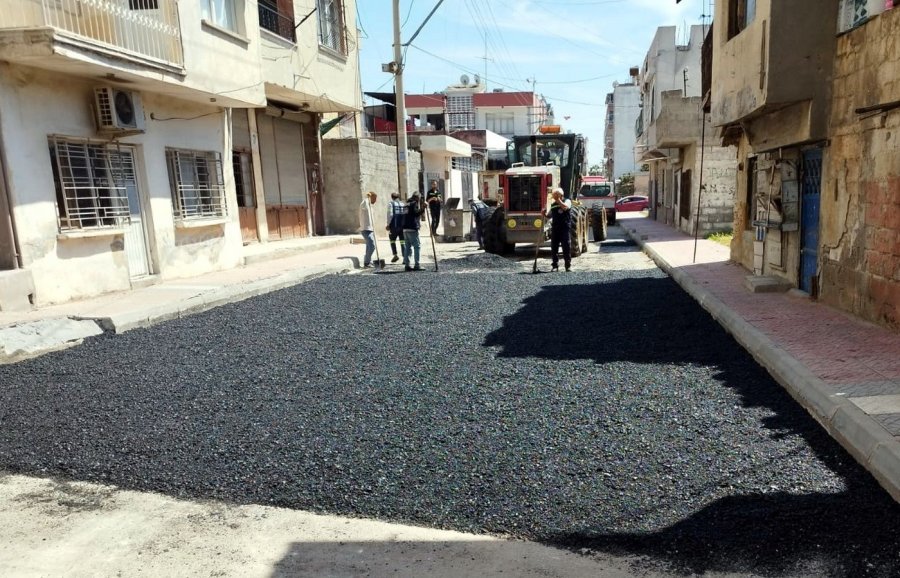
(602, 411)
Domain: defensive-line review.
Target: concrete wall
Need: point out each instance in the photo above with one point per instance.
(717, 199)
(860, 214)
(782, 57)
(350, 168)
(66, 266)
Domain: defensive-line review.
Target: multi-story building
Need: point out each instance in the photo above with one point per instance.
(808, 92)
(170, 126)
(692, 178)
(623, 107)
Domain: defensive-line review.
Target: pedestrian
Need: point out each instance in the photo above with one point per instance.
(395, 216)
(479, 213)
(414, 211)
(366, 228)
(435, 202)
(560, 215)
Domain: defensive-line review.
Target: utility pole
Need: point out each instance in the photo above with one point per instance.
(402, 167)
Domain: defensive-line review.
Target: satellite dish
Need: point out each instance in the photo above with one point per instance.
(464, 79)
(477, 79)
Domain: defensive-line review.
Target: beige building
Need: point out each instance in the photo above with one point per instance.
(807, 91)
(151, 139)
(691, 177)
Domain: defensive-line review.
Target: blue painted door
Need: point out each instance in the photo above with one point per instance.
(809, 218)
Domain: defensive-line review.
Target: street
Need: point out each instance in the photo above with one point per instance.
(601, 411)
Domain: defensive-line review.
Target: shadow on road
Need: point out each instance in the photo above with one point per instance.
(650, 321)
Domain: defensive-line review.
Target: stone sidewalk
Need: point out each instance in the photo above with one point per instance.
(844, 371)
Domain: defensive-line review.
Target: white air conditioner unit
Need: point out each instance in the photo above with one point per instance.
(118, 110)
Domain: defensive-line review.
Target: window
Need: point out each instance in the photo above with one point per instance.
(222, 13)
(91, 183)
(243, 178)
(331, 25)
(470, 164)
(750, 200)
(143, 4)
(740, 14)
(277, 16)
(853, 13)
(460, 112)
(500, 122)
(197, 184)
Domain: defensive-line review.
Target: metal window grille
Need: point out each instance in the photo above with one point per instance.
(91, 183)
(471, 164)
(198, 184)
(143, 29)
(332, 29)
(460, 112)
(276, 22)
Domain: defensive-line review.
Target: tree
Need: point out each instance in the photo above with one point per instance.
(626, 185)
(595, 170)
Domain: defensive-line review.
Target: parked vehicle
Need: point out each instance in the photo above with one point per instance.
(632, 203)
(538, 164)
(597, 191)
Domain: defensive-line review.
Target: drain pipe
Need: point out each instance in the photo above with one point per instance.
(6, 201)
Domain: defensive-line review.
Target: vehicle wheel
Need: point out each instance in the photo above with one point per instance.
(603, 229)
(596, 224)
(612, 216)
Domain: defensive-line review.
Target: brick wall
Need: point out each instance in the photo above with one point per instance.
(860, 217)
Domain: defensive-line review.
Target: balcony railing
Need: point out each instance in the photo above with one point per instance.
(147, 29)
(276, 23)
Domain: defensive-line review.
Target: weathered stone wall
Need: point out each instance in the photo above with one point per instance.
(351, 167)
(717, 200)
(860, 216)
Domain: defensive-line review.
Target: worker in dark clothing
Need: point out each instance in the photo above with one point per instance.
(560, 214)
(414, 211)
(396, 214)
(479, 214)
(435, 201)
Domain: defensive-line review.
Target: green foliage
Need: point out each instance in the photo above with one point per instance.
(595, 170)
(626, 186)
(721, 237)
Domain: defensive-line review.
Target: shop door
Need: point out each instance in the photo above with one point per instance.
(809, 219)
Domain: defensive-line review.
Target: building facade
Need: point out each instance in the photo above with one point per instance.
(807, 92)
(692, 178)
(145, 166)
(623, 108)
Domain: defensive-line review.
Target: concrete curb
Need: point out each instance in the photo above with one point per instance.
(869, 443)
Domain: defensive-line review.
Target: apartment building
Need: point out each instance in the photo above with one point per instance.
(128, 144)
(692, 178)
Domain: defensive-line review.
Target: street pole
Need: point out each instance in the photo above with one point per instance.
(402, 167)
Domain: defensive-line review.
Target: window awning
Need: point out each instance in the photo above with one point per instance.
(328, 125)
(653, 155)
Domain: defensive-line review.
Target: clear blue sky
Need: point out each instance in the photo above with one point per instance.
(573, 50)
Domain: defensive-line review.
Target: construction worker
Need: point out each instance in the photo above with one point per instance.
(435, 201)
(366, 228)
(479, 213)
(395, 215)
(559, 212)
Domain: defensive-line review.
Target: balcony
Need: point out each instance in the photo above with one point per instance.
(145, 31)
(276, 22)
(678, 122)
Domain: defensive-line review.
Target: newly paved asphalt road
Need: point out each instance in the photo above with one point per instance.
(600, 410)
